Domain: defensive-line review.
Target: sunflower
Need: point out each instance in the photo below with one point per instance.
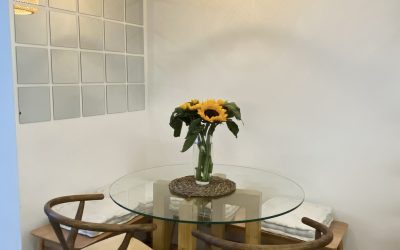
(221, 101)
(192, 105)
(212, 111)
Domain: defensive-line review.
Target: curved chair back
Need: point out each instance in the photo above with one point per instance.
(323, 237)
(56, 220)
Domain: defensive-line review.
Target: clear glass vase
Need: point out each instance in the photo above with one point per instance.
(202, 159)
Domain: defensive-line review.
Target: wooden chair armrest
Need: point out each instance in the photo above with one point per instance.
(47, 233)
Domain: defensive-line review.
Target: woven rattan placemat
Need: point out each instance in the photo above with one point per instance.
(186, 187)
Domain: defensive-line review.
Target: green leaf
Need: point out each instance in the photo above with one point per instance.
(233, 110)
(195, 127)
(187, 116)
(178, 128)
(190, 139)
(233, 127)
(176, 124)
(172, 119)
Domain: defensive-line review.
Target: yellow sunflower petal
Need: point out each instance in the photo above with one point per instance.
(221, 101)
(184, 106)
(212, 111)
(194, 107)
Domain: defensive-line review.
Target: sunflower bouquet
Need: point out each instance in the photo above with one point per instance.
(202, 118)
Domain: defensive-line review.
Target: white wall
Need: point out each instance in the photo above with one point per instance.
(318, 84)
(10, 237)
(74, 156)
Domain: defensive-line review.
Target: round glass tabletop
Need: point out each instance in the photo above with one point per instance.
(259, 195)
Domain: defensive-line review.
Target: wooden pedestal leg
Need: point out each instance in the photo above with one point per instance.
(218, 230)
(218, 214)
(250, 201)
(41, 244)
(253, 232)
(162, 235)
(187, 211)
(186, 241)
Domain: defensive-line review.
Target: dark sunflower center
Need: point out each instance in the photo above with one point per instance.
(211, 113)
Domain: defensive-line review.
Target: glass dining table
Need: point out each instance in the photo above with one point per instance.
(260, 195)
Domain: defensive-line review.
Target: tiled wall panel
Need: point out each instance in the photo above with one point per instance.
(93, 100)
(32, 65)
(34, 104)
(65, 66)
(37, 33)
(80, 58)
(63, 29)
(116, 99)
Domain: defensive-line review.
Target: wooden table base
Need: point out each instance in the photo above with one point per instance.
(186, 241)
(253, 232)
(162, 235)
(248, 200)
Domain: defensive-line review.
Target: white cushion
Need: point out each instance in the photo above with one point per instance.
(290, 224)
(114, 242)
(99, 211)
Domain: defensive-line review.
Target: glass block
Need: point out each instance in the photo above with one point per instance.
(135, 65)
(116, 99)
(134, 11)
(91, 33)
(115, 68)
(92, 67)
(32, 65)
(34, 104)
(66, 102)
(114, 9)
(65, 66)
(114, 36)
(63, 4)
(91, 7)
(134, 40)
(41, 2)
(63, 30)
(31, 29)
(136, 97)
(93, 98)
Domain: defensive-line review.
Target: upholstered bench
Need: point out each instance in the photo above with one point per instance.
(287, 229)
(47, 239)
(339, 229)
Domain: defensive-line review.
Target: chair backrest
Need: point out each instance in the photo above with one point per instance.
(323, 237)
(68, 243)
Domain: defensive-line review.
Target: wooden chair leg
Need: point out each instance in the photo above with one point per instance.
(41, 244)
(340, 247)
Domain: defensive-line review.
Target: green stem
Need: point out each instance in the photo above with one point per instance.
(205, 163)
(208, 165)
(201, 141)
(200, 164)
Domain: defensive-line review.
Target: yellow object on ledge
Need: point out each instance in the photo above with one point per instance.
(20, 9)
